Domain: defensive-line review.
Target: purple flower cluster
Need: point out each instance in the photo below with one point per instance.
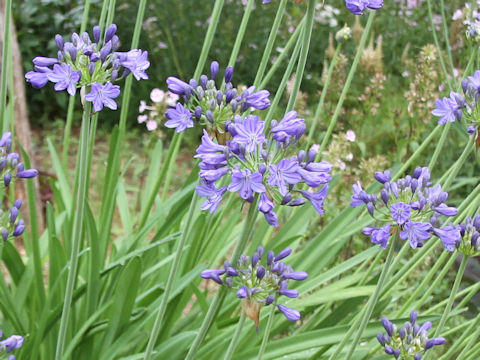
(409, 204)
(9, 344)
(11, 167)
(84, 62)
(209, 105)
(10, 224)
(411, 341)
(358, 6)
(460, 106)
(259, 282)
(258, 162)
(464, 237)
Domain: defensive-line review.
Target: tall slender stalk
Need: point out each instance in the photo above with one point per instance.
(351, 73)
(171, 277)
(370, 306)
(241, 33)
(235, 338)
(217, 301)
(77, 228)
(268, 329)
(5, 54)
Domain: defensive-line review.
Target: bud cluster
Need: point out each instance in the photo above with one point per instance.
(463, 237)
(410, 205)
(209, 105)
(410, 342)
(86, 63)
(259, 282)
(11, 167)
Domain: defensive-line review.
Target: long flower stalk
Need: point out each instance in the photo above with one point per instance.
(268, 329)
(236, 337)
(77, 228)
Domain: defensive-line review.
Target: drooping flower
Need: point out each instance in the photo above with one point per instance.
(213, 195)
(358, 6)
(259, 281)
(447, 110)
(179, 118)
(411, 340)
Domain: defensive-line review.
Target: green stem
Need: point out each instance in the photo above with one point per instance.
(268, 329)
(212, 27)
(446, 36)
(307, 35)
(371, 304)
(318, 111)
(439, 146)
(241, 33)
(463, 336)
(456, 285)
(217, 301)
(437, 44)
(351, 73)
(77, 229)
(6, 54)
(235, 338)
(458, 164)
(171, 160)
(271, 40)
(171, 277)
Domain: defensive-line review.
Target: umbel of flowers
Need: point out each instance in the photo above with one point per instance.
(461, 106)
(212, 104)
(9, 344)
(258, 281)
(410, 342)
(410, 205)
(269, 164)
(90, 64)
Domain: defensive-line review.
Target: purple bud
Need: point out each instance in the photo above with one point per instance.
(474, 241)
(213, 274)
(193, 83)
(471, 130)
(91, 68)
(20, 166)
(388, 350)
(229, 282)
(255, 259)
(286, 199)
(382, 177)
(203, 81)
(370, 208)
(283, 254)
(230, 94)
(417, 357)
(19, 228)
(262, 168)
(270, 257)
(5, 234)
(18, 203)
(290, 314)
(387, 324)
(242, 293)
(296, 275)
(402, 333)
(260, 251)
(7, 178)
(115, 43)
(59, 41)
(291, 293)
(209, 116)
(270, 299)
(114, 75)
(96, 33)
(380, 339)
(112, 29)
(231, 271)
(384, 196)
(214, 67)
(434, 341)
(228, 74)
(13, 214)
(301, 155)
(198, 112)
(260, 272)
(219, 97)
(26, 174)
(105, 51)
(413, 316)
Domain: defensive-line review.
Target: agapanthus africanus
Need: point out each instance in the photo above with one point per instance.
(267, 163)
(357, 7)
(410, 342)
(212, 102)
(463, 237)
(259, 281)
(90, 64)
(410, 205)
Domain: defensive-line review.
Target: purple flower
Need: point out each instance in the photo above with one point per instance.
(316, 198)
(11, 343)
(136, 61)
(359, 196)
(64, 77)
(417, 233)
(213, 175)
(400, 212)
(286, 171)
(245, 183)
(271, 218)
(283, 254)
(27, 174)
(213, 195)
(357, 6)
(179, 118)
(295, 275)
(265, 205)
(289, 126)
(103, 95)
(177, 86)
(208, 146)
(250, 133)
(450, 236)
(290, 314)
(316, 173)
(382, 177)
(443, 209)
(44, 61)
(434, 341)
(38, 78)
(446, 109)
(213, 274)
(258, 100)
(378, 236)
